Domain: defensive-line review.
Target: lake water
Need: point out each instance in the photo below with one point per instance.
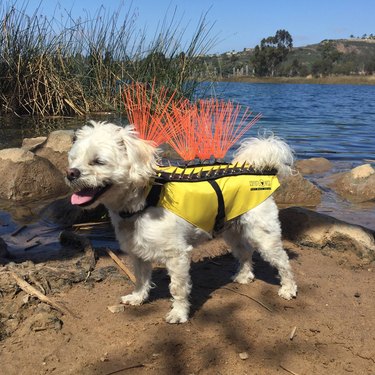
(333, 121)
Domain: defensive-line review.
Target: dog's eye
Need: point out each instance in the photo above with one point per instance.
(97, 161)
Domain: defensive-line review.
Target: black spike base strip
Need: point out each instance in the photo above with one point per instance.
(196, 173)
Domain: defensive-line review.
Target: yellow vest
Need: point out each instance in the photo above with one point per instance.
(225, 193)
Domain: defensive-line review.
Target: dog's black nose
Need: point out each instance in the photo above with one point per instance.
(72, 174)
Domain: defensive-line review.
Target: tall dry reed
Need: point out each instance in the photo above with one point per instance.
(48, 68)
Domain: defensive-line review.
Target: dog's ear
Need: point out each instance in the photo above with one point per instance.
(140, 154)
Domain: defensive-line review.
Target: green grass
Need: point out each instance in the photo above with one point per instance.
(49, 69)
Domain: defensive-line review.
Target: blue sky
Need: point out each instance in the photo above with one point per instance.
(239, 24)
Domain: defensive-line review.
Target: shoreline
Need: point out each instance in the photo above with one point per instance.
(332, 80)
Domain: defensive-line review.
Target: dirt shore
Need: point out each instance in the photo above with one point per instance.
(331, 80)
(234, 329)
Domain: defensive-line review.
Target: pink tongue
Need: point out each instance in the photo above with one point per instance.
(80, 198)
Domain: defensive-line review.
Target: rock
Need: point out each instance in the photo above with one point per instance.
(313, 165)
(357, 185)
(297, 191)
(309, 228)
(362, 171)
(56, 148)
(116, 308)
(30, 144)
(16, 155)
(60, 140)
(28, 176)
(104, 358)
(244, 355)
(26, 299)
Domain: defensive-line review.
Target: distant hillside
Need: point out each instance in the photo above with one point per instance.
(352, 57)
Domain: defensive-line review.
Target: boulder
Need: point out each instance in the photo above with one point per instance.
(313, 165)
(26, 176)
(357, 185)
(56, 148)
(297, 191)
(309, 228)
(30, 144)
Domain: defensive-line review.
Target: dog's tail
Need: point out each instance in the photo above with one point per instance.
(266, 152)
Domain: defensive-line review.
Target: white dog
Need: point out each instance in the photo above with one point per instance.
(111, 165)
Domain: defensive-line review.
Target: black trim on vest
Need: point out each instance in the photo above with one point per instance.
(220, 217)
(209, 175)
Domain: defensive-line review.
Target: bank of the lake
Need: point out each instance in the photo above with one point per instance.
(330, 80)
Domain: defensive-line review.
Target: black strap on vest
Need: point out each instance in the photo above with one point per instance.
(220, 217)
(154, 195)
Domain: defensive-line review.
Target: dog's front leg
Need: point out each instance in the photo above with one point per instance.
(142, 272)
(180, 287)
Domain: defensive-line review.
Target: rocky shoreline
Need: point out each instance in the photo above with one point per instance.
(35, 172)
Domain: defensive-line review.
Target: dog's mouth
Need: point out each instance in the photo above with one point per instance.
(88, 196)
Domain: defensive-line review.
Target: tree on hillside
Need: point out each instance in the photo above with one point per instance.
(271, 52)
(329, 57)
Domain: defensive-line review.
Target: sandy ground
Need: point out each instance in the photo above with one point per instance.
(333, 319)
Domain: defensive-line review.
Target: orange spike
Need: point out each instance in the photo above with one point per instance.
(218, 127)
(146, 110)
(206, 128)
(181, 132)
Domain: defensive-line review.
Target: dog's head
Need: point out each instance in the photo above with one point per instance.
(104, 158)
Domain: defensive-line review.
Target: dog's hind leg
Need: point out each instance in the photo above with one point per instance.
(243, 253)
(272, 251)
(142, 271)
(180, 287)
(261, 228)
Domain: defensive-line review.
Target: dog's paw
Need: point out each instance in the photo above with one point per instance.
(134, 299)
(243, 278)
(288, 291)
(176, 316)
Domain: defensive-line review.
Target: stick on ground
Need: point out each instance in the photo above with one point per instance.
(252, 298)
(26, 287)
(292, 333)
(287, 370)
(121, 264)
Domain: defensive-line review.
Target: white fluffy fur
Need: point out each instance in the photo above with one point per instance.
(156, 234)
(266, 151)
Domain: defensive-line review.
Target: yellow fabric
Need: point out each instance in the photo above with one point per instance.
(197, 202)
